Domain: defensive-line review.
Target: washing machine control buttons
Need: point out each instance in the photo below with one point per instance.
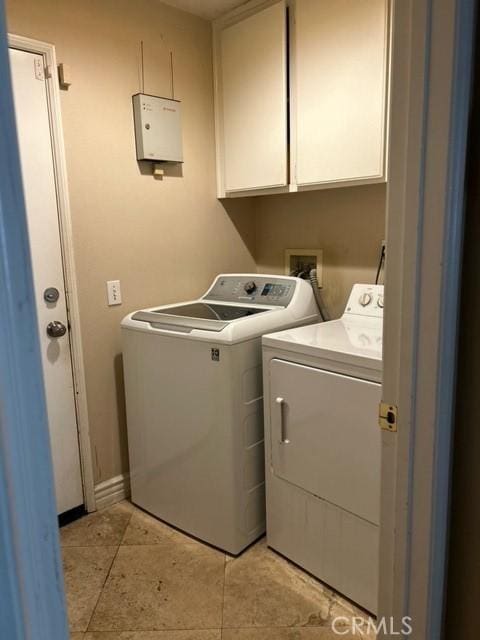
(380, 302)
(250, 287)
(365, 299)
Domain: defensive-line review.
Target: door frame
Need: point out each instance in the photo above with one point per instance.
(431, 84)
(47, 51)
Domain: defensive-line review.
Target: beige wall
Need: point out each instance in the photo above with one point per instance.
(165, 240)
(347, 224)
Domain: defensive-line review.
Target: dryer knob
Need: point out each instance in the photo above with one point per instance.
(380, 302)
(365, 299)
(250, 287)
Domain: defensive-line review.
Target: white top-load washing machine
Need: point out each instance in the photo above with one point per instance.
(322, 386)
(193, 382)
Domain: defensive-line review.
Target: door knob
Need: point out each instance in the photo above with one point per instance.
(56, 329)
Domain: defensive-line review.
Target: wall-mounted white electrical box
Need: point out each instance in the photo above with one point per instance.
(158, 131)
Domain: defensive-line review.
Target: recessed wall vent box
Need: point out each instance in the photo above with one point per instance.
(158, 131)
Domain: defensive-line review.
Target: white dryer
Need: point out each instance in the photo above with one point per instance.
(322, 387)
(193, 382)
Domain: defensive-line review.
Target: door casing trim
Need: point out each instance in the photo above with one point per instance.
(47, 50)
(431, 84)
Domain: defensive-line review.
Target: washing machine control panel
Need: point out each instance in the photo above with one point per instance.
(251, 288)
(366, 300)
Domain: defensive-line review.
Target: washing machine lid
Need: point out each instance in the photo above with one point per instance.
(210, 311)
(351, 341)
(210, 316)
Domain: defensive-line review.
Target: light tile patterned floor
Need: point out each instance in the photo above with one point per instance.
(131, 577)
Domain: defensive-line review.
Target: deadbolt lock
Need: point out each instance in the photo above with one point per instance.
(51, 295)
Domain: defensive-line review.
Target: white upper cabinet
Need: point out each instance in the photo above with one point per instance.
(251, 100)
(339, 91)
(309, 112)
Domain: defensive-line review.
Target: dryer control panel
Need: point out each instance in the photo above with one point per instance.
(253, 288)
(365, 300)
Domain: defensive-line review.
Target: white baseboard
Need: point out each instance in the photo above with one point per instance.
(111, 491)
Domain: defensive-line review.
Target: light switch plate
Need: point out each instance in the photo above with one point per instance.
(114, 293)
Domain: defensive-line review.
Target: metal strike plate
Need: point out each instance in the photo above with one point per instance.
(387, 416)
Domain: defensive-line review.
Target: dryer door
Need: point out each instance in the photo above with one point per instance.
(325, 436)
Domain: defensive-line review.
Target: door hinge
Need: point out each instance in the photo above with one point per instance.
(387, 416)
(39, 69)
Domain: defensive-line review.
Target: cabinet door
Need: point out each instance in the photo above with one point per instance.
(339, 76)
(331, 424)
(252, 101)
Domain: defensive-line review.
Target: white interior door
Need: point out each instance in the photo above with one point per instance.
(33, 125)
(325, 435)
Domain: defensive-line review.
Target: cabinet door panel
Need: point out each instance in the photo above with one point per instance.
(253, 92)
(339, 90)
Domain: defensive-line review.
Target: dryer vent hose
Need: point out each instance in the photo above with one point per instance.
(312, 276)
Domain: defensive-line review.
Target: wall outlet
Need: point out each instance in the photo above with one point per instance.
(303, 260)
(114, 293)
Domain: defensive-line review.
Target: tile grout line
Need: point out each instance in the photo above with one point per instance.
(108, 574)
(101, 589)
(128, 524)
(223, 592)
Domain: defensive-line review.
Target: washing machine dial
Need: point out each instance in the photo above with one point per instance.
(365, 299)
(250, 287)
(380, 302)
